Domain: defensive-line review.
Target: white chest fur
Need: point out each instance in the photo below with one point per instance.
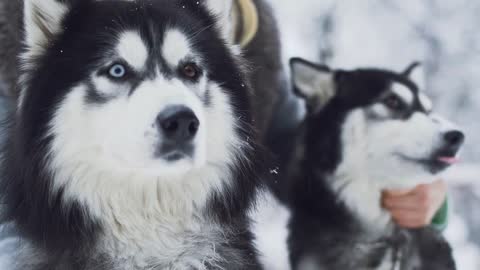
(152, 223)
(180, 244)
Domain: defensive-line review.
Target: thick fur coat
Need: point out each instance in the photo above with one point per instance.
(133, 145)
(366, 130)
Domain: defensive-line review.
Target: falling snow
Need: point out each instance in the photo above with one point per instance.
(274, 171)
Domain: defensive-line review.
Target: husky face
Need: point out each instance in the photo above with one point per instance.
(137, 88)
(143, 111)
(383, 126)
(131, 113)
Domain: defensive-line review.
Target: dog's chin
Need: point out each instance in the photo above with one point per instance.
(176, 163)
(407, 182)
(433, 164)
(169, 165)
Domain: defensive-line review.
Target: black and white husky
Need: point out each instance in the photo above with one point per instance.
(132, 146)
(366, 130)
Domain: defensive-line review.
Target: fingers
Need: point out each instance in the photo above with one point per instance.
(415, 208)
(399, 204)
(431, 197)
(440, 188)
(423, 198)
(406, 201)
(397, 192)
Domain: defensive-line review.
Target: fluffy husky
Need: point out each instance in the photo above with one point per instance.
(366, 130)
(132, 146)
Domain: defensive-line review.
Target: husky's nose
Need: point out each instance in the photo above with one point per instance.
(454, 139)
(178, 123)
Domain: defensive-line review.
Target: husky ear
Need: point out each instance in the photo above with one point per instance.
(409, 70)
(222, 9)
(312, 82)
(42, 20)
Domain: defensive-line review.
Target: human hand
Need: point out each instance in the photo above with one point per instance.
(415, 208)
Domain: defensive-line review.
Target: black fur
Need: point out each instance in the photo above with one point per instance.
(63, 235)
(266, 70)
(323, 229)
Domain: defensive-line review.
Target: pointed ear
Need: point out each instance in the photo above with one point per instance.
(409, 70)
(42, 20)
(312, 82)
(222, 10)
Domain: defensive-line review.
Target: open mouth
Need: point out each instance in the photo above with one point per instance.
(441, 163)
(449, 160)
(443, 159)
(437, 162)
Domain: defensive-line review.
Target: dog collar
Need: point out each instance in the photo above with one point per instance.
(245, 22)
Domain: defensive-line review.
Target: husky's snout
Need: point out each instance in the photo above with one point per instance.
(447, 153)
(178, 123)
(453, 140)
(179, 126)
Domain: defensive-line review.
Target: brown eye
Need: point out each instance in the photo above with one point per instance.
(190, 71)
(394, 103)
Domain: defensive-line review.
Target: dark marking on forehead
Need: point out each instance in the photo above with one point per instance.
(110, 20)
(93, 27)
(363, 87)
(366, 87)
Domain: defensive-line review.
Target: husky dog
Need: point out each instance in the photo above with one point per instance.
(366, 130)
(132, 146)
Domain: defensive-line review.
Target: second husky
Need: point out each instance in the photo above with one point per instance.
(366, 130)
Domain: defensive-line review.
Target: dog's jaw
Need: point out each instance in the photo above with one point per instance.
(364, 171)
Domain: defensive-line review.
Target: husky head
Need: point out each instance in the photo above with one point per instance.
(125, 103)
(374, 124)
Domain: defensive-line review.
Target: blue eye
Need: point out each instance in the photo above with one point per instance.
(117, 71)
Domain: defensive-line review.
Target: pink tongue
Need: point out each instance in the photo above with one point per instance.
(449, 160)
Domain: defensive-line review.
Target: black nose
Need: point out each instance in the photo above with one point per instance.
(454, 138)
(178, 123)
